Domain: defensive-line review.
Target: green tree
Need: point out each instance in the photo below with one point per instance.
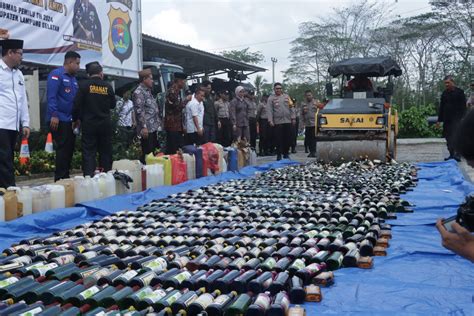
(259, 82)
(244, 55)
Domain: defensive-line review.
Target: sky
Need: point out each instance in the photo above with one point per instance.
(263, 25)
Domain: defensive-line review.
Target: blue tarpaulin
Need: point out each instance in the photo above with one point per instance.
(417, 277)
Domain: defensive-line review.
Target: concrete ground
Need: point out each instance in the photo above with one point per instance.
(409, 150)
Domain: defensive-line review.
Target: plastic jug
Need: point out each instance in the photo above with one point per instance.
(179, 172)
(232, 159)
(166, 162)
(10, 204)
(41, 198)
(220, 150)
(57, 195)
(80, 189)
(190, 166)
(154, 175)
(100, 178)
(110, 184)
(253, 158)
(135, 169)
(69, 192)
(2, 208)
(197, 153)
(25, 200)
(119, 187)
(92, 188)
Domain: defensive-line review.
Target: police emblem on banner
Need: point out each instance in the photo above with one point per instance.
(120, 39)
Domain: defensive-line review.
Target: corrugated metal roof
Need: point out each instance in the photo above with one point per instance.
(194, 61)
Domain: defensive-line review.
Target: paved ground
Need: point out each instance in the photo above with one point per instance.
(409, 150)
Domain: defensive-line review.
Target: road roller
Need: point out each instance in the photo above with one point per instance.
(359, 122)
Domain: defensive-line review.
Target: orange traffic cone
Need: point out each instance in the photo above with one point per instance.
(24, 152)
(48, 147)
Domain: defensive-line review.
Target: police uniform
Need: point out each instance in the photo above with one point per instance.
(92, 106)
(252, 108)
(295, 128)
(281, 113)
(61, 91)
(264, 143)
(308, 115)
(14, 113)
(224, 134)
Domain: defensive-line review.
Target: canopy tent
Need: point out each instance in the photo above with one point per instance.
(194, 61)
(367, 66)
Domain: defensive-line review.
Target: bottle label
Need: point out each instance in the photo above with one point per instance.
(10, 266)
(89, 254)
(143, 293)
(173, 298)
(127, 276)
(146, 279)
(205, 300)
(182, 276)
(298, 264)
(158, 264)
(35, 265)
(155, 296)
(285, 303)
(270, 262)
(190, 299)
(89, 292)
(313, 268)
(264, 301)
(44, 268)
(311, 233)
(32, 312)
(87, 273)
(65, 259)
(8, 281)
(221, 300)
(23, 259)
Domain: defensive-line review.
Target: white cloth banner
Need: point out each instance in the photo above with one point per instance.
(107, 31)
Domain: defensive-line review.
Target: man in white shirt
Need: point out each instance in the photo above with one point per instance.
(13, 107)
(194, 118)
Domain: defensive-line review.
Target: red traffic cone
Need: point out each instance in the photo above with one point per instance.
(48, 147)
(24, 152)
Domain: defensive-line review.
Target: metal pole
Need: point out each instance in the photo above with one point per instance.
(274, 61)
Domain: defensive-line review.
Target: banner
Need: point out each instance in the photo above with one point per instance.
(107, 31)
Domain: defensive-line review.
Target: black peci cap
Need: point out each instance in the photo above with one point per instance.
(180, 75)
(11, 44)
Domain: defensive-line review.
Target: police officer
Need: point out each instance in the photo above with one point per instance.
(309, 107)
(211, 123)
(174, 107)
(239, 114)
(13, 107)
(252, 109)
(295, 127)
(451, 110)
(264, 128)
(225, 131)
(92, 106)
(61, 90)
(281, 115)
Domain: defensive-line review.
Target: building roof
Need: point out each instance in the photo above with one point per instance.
(194, 61)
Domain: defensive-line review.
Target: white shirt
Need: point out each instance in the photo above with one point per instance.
(194, 108)
(13, 100)
(125, 113)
